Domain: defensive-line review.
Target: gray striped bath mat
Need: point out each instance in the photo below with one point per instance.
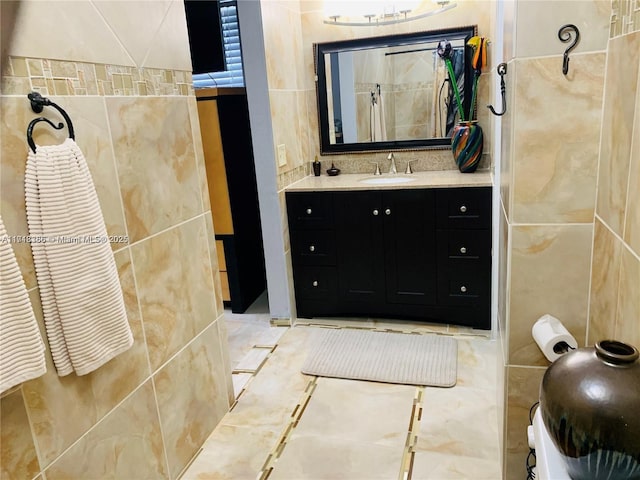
(430, 360)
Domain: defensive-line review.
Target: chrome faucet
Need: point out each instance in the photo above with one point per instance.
(392, 169)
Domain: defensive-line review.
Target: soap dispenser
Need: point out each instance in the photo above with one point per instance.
(316, 167)
(333, 171)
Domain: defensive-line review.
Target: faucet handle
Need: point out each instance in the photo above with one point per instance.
(409, 170)
(377, 172)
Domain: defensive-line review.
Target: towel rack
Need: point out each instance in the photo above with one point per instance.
(38, 102)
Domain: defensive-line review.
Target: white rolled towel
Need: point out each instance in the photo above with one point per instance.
(81, 296)
(21, 346)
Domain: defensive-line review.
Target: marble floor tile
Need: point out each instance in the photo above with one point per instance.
(350, 410)
(318, 458)
(459, 421)
(439, 466)
(232, 453)
(353, 429)
(253, 360)
(240, 381)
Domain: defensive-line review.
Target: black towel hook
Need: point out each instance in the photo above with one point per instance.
(565, 36)
(502, 71)
(38, 102)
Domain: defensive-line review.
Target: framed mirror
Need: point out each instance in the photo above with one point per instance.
(391, 92)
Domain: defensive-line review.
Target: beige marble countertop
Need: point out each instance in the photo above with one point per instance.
(430, 179)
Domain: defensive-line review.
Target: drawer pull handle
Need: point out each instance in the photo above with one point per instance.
(463, 250)
(463, 208)
(387, 211)
(315, 283)
(309, 211)
(375, 212)
(463, 289)
(312, 248)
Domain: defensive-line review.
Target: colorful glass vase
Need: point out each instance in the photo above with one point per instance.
(466, 144)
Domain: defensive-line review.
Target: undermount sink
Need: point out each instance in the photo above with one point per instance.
(383, 180)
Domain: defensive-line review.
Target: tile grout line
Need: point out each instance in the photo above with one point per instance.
(406, 465)
(281, 444)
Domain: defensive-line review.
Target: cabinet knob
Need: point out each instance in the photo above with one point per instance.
(463, 289)
(387, 211)
(375, 212)
(309, 211)
(463, 250)
(463, 208)
(312, 248)
(315, 283)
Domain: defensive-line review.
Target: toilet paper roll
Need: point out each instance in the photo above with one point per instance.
(552, 338)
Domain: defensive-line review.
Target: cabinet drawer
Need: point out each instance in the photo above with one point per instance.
(464, 247)
(463, 288)
(319, 283)
(309, 210)
(464, 207)
(313, 247)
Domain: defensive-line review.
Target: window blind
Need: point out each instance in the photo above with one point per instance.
(233, 76)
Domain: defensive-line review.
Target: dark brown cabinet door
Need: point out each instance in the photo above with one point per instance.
(360, 249)
(410, 246)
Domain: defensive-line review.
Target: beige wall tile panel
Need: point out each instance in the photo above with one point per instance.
(126, 444)
(192, 397)
(621, 83)
(226, 358)
(215, 268)
(503, 272)
(538, 24)
(285, 117)
(628, 315)
(538, 286)
(18, 457)
(48, 397)
(215, 167)
(557, 123)
(605, 274)
(524, 391)
(90, 40)
(124, 20)
(170, 46)
(156, 162)
(632, 223)
(176, 298)
(199, 151)
(283, 45)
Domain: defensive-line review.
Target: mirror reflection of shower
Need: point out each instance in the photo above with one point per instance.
(394, 93)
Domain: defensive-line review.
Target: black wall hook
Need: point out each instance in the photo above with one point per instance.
(564, 34)
(38, 102)
(502, 71)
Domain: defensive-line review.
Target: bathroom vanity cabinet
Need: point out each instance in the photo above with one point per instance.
(421, 253)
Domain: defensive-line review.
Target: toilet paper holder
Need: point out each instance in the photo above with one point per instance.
(553, 339)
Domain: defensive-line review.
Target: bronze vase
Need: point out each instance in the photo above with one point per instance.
(590, 405)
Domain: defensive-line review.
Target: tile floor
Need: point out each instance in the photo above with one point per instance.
(286, 425)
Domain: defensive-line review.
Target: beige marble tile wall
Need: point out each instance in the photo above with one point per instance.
(549, 172)
(615, 303)
(125, 83)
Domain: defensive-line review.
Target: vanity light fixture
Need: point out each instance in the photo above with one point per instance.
(361, 14)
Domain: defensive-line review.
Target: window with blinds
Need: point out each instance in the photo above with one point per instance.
(233, 75)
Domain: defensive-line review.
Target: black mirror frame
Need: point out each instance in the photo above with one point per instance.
(326, 148)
